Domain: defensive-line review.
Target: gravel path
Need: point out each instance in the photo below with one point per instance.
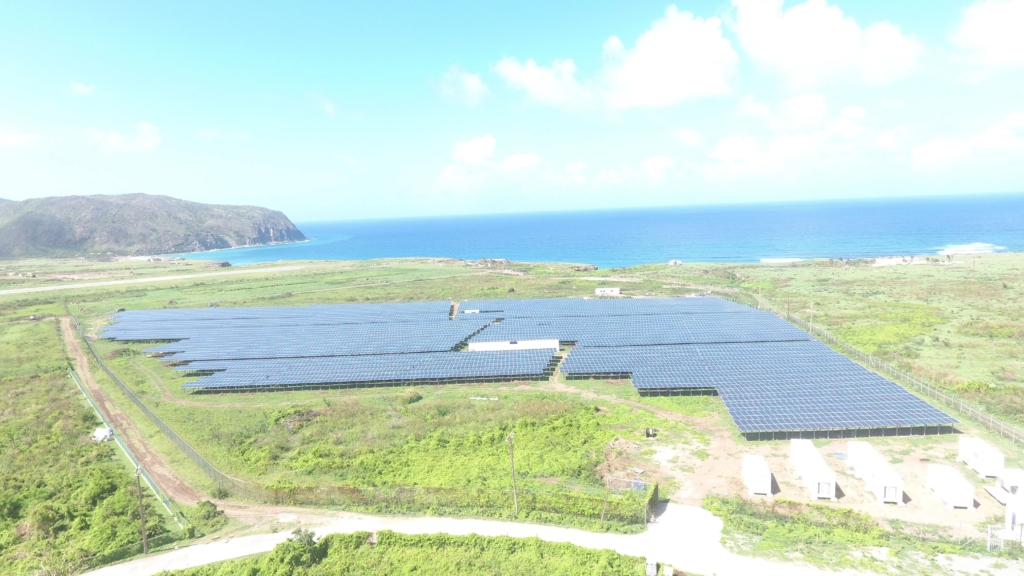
(141, 280)
(687, 537)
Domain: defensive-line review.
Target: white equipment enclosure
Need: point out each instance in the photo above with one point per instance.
(817, 477)
(756, 475)
(980, 456)
(954, 490)
(879, 476)
(520, 345)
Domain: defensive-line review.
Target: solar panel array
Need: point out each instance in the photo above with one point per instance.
(377, 369)
(346, 345)
(772, 376)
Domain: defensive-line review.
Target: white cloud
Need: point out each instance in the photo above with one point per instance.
(475, 152)
(991, 32)
(680, 57)
(892, 139)
(323, 103)
(1004, 138)
(523, 161)
(555, 84)
(790, 151)
(657, 167)
(18, 139)
(576, 172)
(458, 85)
(82, 89)
(147, 137)
(799, 113)
(473, 163)
(687, 137)
(813, 42)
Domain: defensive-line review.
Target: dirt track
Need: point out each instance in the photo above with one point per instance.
(142, 280)
(254, 515)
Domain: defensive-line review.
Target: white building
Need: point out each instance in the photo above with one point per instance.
(878, 475)
(513, 345)
(808, 464)
(954, 490)
(607, 291)
(756, 475)
(980, 456)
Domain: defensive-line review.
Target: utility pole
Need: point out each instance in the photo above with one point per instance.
(787, 307)
(512, 458)
(142, 514)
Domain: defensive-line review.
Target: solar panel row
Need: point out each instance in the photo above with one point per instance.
(643, 330)
(353, 370)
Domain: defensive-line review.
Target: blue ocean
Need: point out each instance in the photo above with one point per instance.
(727, 233)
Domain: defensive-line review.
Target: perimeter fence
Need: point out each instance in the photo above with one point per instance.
(629, 507)
(965, 408)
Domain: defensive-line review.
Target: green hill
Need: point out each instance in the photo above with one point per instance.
(134, 224)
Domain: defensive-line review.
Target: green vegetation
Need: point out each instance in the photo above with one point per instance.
(958, 326)
(65, 502)
(834, 537)
(387, 552)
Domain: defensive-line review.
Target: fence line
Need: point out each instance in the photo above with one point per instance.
(965, 408)
(630, 508)
(159, 493)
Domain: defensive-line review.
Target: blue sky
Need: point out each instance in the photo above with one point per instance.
(368, 110)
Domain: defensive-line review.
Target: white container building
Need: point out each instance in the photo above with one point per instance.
(949, 485)
(1008, 484)
(878, 475)
(756, 474)
(808, 464)
(980, 456)
(514, 345)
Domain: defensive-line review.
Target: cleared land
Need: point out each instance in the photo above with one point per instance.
(272, 437)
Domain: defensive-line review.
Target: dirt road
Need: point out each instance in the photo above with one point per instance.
(685, 537)
(153, 279)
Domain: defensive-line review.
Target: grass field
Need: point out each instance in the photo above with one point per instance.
(441, 554)
(66, 502)
(957, 326)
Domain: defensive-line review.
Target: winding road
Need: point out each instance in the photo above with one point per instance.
(685, 537)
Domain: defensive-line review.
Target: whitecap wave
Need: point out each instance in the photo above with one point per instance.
(972, 248)
(780, 260)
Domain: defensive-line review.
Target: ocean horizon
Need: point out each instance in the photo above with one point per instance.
(782, 232)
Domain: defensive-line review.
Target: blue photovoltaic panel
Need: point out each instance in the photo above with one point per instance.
(341, 340)
(772, 376)
(646, 330)
(370, 369)
(768, 386)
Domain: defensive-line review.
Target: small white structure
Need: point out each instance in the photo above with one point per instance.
(879, 476)
(513, 345)
(1008, 485)
(954, 490)
(980, 456)
(610, 291)
(1014, 523)
(817, 477)
(756, 474)
(102, 435)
